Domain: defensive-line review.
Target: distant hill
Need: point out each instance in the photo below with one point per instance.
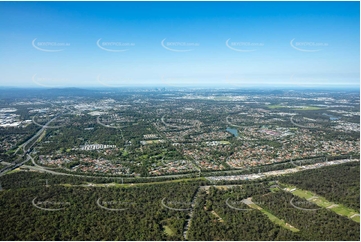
(13, 92)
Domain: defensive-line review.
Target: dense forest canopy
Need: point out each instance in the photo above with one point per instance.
(68, 208)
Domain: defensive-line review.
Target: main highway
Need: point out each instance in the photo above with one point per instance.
(16, 163)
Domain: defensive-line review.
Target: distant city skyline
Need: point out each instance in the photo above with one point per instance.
(180, 44)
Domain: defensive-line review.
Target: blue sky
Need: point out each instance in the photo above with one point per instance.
(224, 44)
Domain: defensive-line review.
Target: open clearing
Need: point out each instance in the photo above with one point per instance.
(308, 108)
(324, 203)
(168, 230)
(274, 219)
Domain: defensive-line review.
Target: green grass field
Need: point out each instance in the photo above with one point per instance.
(168, 230)
(277, 106)
(308, 108)
(13, 171)
(324, 203)
(275, 219)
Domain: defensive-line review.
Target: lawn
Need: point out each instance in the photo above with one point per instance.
(308, 108)
(275, 106)
(324, 203)
(168, 230)
(13, 171)
(274, 219)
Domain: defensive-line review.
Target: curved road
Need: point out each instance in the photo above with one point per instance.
(41, 168)
(15, 165)
(107, 126)
(37, 134)
(301, 126)
(46, 125)
(231, 123)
